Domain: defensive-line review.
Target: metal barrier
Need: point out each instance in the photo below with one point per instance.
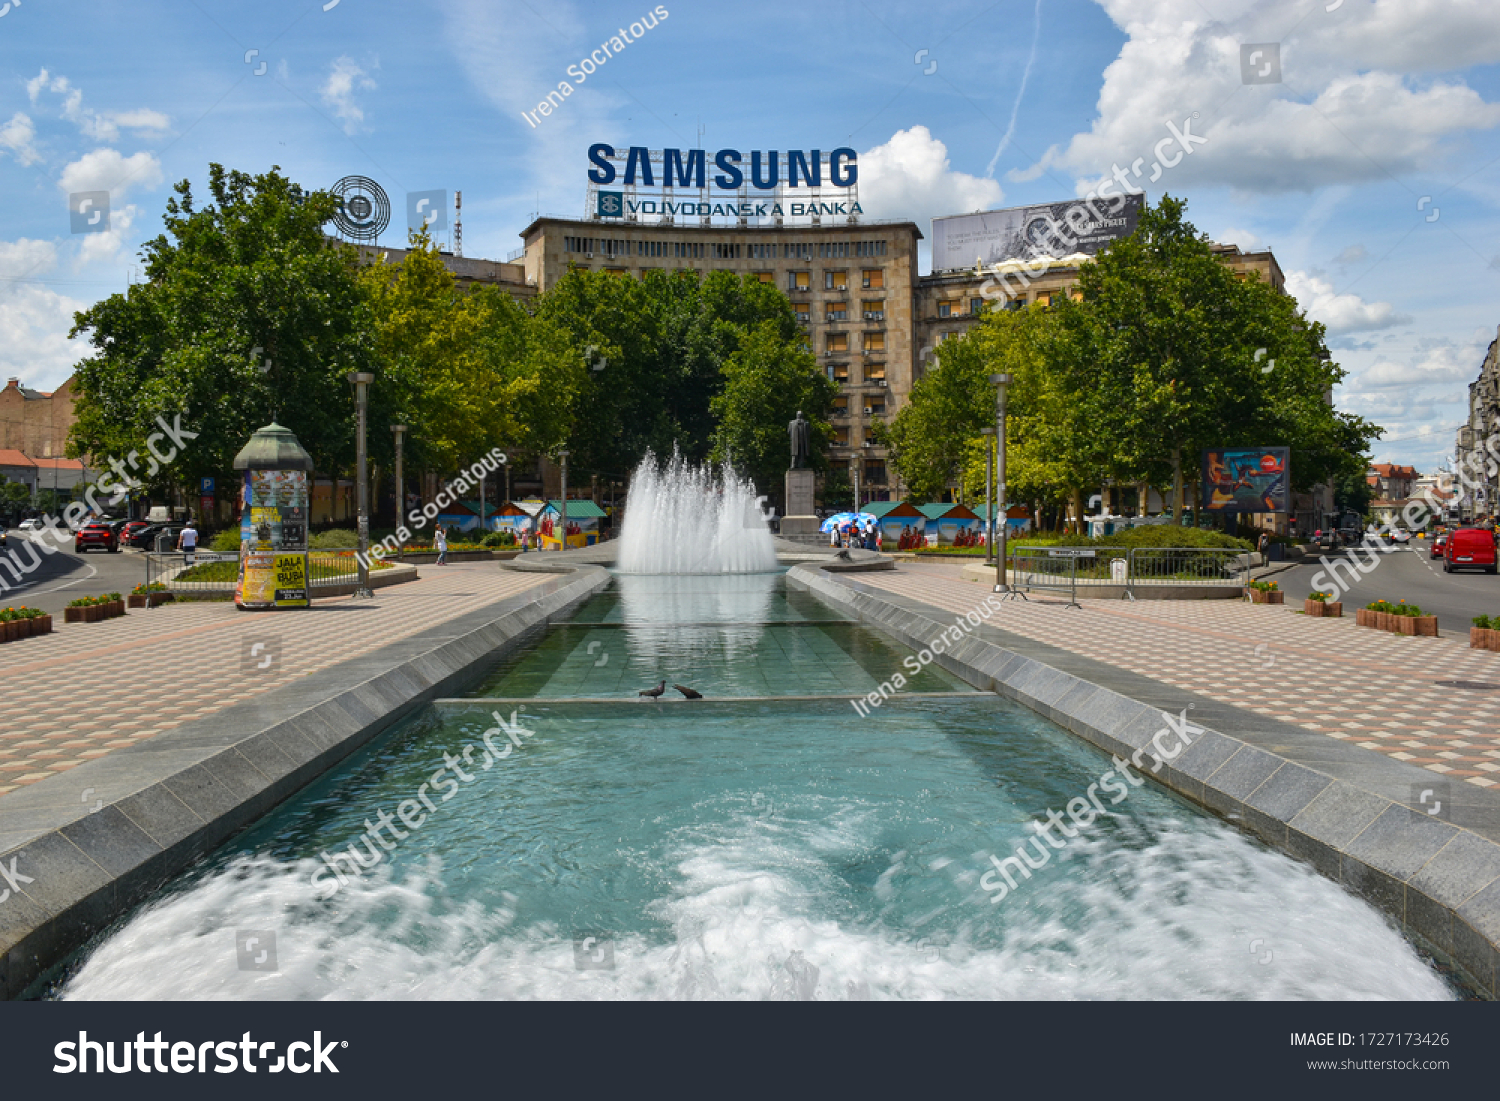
(209, 573)
(1054, 571)
(1185, 566)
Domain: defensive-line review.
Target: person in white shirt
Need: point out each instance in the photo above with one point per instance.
(440, 541)
(187, 543)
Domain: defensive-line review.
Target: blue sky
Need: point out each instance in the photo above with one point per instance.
(1381, 103)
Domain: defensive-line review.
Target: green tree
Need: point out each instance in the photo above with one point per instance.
(247, 313)
(767, 380)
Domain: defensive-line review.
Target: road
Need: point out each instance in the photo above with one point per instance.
(1408, 574)
(66, 575)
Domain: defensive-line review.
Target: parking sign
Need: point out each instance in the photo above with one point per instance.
(208, 487)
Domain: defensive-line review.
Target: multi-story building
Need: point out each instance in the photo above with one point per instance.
(852, 288)
(1478, 489)
(1391, 481)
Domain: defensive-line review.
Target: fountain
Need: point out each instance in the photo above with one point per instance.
(686, 519)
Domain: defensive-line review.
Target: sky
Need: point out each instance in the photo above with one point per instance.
(1355, 138)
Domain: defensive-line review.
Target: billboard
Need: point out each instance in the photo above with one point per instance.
(1025, 232)
(1247, 479)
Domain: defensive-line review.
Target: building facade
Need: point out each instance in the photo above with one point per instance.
(1479, 491)
(852, 288)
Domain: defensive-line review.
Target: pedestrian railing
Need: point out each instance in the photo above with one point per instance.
(1048, 572)
(209, 573)
(1185, 566)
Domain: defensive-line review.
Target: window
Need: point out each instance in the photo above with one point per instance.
(835, 280)
(838, 372)
(1044, 298)
(796, 252)
(651, 248)
(873, 278)
(874, 342)
(841, 437)
(687, 250)
(761, 252)
(875, 372)
(615, 271)
(837, 312)
(976, 306)
(874, 311)
(841, 406)
(874, 472)
(876, 405)
(803, 312)
(947, 309)
(871, 248)
(833, 250)
(798, 280)
(765, 276)
(726, 252)
(838, 342)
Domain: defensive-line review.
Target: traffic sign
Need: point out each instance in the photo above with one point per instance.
(207, 488)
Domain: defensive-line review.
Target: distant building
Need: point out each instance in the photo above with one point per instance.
(1392, 482)
(1473, 455)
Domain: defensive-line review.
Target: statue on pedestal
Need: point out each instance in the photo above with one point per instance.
(801, 433)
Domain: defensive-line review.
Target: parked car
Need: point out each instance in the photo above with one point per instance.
(96, 533)
(1439, 544)
(1469, 549)
(129, 528)
(31, 525)
(146, 538)
(1396, 535)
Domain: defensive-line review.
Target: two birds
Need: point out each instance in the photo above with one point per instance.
(655, 693)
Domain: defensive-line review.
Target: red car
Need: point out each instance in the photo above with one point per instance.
(1469, 549)
(1439, 541)
(96, 533)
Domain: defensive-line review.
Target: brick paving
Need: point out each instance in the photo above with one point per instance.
(1373, 689)
(91, 688)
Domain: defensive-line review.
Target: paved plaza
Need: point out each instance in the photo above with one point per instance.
(91, 688)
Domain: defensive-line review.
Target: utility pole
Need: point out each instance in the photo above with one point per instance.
(563, 505)
(400, 430)
(989, 501)
(362, 380)
(1000, 382)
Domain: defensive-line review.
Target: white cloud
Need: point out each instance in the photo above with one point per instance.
(34, 319)
(1372, 111)
(1354, 254)
(106, 246)
(108, 170)
(102, 127)
(18, 135)
(910, 177)
(1247, 240)
(1340, 313)
(345, 77)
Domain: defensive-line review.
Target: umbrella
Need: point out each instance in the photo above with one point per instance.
(844, 519)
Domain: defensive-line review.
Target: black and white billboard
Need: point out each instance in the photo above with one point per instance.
(1026, 232)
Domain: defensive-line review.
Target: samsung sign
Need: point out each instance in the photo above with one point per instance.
(689, 168)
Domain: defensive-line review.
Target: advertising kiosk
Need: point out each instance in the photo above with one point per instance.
(273, 521)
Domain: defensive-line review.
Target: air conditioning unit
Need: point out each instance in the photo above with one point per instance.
(880, 382)
(868, 410)
(588, 255)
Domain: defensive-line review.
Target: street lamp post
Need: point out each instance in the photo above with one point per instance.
(564, 505)
(854, 477)
(362, 380)
(400, 431)
(989, 500)
(1000, 382)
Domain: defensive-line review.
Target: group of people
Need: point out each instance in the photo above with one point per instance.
(856, 534)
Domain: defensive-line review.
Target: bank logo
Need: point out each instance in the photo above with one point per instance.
(88, 211)
(611, 204)
(427, 210)
(255, 949)
(1260, 63)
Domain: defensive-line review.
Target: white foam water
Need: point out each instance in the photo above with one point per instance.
(1190, 914)
(687, 519)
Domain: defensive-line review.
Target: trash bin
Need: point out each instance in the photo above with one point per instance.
(1276, 552)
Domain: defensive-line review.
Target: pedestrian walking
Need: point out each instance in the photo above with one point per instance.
(440, 540)
(187, 543)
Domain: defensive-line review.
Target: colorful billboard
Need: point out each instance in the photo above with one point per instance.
(1247, 479)
(273, 540)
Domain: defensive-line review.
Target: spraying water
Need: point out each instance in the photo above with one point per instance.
(687, 519)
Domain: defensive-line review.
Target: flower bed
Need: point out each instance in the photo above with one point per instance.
(149, 596)
(90, 609)
(23, 622)
(1318, 605)
(1399, 618)
(1485, 634)
(1265, 592)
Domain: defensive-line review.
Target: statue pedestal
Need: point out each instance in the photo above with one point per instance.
(799, 518)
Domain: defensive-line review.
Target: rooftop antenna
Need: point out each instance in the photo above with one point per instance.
(458, 223)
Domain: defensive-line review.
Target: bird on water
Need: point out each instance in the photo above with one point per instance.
(688, 693)
(653, 692)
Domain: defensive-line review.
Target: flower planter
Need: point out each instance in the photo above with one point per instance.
(12, 630)
(1313, 608)
(1427, 625)
(23, 628)
(1477, 639)
(93, 613)
(1405, 624)
(1492, 640)
(74, 615)
(116, 608)
(41, 625)
(1333, 609)
(139, 600)
(1363, 617)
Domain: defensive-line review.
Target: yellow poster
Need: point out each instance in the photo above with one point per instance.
(291, 581)
(257, 580)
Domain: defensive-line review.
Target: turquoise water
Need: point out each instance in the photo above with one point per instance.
(738, 848)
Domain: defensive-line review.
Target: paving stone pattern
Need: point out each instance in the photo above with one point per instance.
(1356, 684)
(91, 688)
